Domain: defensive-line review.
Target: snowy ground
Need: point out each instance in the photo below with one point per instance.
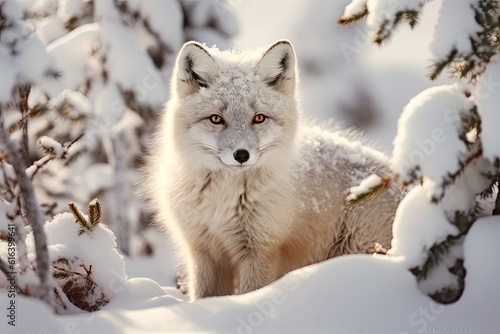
(352, 294)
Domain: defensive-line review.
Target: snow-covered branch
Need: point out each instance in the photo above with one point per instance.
(33, 212)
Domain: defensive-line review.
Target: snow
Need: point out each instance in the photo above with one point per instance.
(355, 7)
(79, 103)
(71, 53)
(143, 79)
(383, 13)
(70, 8)
(349, 294)
(49, 145)
(418, 225)
(434, 152)
(50, 28)
(487, 97)
(169, 30)
(449, 35)
(18, 44)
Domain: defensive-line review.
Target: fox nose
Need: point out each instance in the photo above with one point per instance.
(241, 155)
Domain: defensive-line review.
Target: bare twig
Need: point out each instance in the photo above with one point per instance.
(33, 211)
(23, 106)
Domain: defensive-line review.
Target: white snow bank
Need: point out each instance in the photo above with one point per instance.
(349, 294)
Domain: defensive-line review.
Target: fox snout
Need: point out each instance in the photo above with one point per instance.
(241, 155)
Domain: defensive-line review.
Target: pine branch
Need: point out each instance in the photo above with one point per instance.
(33, 211)
(345, 20)
(370, 193)
(94, 212)
(441, 65)
(87, 224)
(80, 218)
(435, 255)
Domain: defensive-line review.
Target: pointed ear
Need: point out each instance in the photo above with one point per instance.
(277, 67)
(195, 68)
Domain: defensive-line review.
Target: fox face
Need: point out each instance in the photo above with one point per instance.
(234, 110)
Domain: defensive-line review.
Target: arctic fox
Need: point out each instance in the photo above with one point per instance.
(246, 189)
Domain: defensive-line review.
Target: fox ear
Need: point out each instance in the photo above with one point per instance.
(277, 67)
(195, 69)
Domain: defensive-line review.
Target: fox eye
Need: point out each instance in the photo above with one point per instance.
(259, 118)
(216, 119)
(202, 85)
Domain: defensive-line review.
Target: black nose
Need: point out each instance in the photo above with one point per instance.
(241, 156)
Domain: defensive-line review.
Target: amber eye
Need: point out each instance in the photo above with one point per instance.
(259, 118)
(216, 119)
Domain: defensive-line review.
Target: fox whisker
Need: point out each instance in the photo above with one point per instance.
(265, 147)
(211, 148)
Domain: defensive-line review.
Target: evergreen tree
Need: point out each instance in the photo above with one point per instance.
(445, 150)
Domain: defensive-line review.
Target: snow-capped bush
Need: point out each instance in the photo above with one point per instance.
(85, 261)
(446, 144)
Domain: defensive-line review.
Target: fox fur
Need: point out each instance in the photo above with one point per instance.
(239, 224)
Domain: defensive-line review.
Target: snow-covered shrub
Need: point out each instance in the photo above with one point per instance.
(446, 148)
(85, 261)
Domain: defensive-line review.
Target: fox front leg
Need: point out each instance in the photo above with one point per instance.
(209, 276)
(255, 272)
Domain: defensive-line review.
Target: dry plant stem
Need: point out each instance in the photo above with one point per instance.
(27, 196)
(23, 106)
